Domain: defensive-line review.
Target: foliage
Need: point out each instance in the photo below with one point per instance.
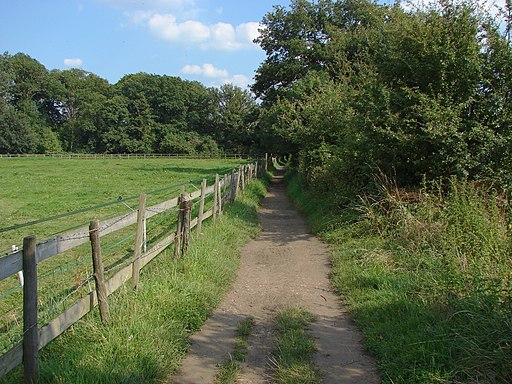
(77, 111)
(352, 86)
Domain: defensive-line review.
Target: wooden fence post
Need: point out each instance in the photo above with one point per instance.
(234, 181)
(242, 177)
(219, 198)
(179, 226)
(139, 238)
(266, 162)
(249, 174)
(30, 329)
(187, 220)
(99, 274)
(201, 207)
(237, 182)
(216, 197)
(225, 189)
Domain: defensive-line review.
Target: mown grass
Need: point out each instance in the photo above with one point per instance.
(148, 334)
(426, 276)
(230, 370)
(294, 348)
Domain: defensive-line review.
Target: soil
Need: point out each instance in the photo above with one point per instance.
(286, 266)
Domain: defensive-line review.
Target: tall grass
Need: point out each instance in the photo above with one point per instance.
(426, 275)
(150, 326)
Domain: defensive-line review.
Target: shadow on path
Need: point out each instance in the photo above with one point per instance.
(286, 266)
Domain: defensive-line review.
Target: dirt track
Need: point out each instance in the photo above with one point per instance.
(285, 267)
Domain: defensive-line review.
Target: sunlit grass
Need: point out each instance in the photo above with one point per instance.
(150, 326)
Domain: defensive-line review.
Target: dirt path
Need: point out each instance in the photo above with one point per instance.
(285, 267)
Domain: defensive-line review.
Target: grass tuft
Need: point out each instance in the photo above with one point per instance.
(230, 370)
(294, 348)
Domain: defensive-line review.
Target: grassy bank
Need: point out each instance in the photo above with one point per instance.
(426, 276)
(150, 326)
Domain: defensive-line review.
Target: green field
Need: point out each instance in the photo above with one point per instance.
(36, 188)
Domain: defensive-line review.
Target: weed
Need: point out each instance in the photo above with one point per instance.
(230, 370)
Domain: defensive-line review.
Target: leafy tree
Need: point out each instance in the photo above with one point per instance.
(367, 86)
(235, 118)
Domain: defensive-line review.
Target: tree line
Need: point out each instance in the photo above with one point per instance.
(73, 110)
(351, 87)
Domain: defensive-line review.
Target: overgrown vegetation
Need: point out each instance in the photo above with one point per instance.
(398, 118)
(148, 334)
(294, 348)
(230, 370)
(426, 275)
(353, 86)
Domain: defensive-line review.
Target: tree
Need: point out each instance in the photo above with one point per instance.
(235, 118)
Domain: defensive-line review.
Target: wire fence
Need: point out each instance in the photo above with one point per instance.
(64, 278)
(93, 156)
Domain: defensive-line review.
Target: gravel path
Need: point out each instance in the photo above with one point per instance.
(284, 267)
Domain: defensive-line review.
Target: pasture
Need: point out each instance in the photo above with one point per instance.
(82, 190)
(36, 188)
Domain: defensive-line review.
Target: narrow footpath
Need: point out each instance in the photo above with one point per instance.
(284, 267)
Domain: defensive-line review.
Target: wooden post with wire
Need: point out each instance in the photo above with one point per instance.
(242, 177)
(139, 239)
(216, 197)
(179, 225)
(30, 329)
(186, 206)
(234, 181)
(99, 273)
(225, 189)
(201, 207)
(219, 192)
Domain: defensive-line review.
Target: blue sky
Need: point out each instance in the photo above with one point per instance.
(205, 40)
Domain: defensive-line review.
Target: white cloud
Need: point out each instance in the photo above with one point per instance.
(192, 70)
(219, 36)
(238, 80)
(206, 70)
(167, 28)
(73, 62)
(219, 76)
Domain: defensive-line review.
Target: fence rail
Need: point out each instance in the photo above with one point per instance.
(224, 190)
(93, 156)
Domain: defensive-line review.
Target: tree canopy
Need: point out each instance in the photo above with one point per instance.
(353, 86)
(77, 111)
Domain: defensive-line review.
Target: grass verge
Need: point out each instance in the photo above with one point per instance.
(150, 327)
(294, 349)
(230, 370)
(426, 282)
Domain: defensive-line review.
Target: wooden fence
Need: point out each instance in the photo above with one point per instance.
(93, 156)
(224, 190)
